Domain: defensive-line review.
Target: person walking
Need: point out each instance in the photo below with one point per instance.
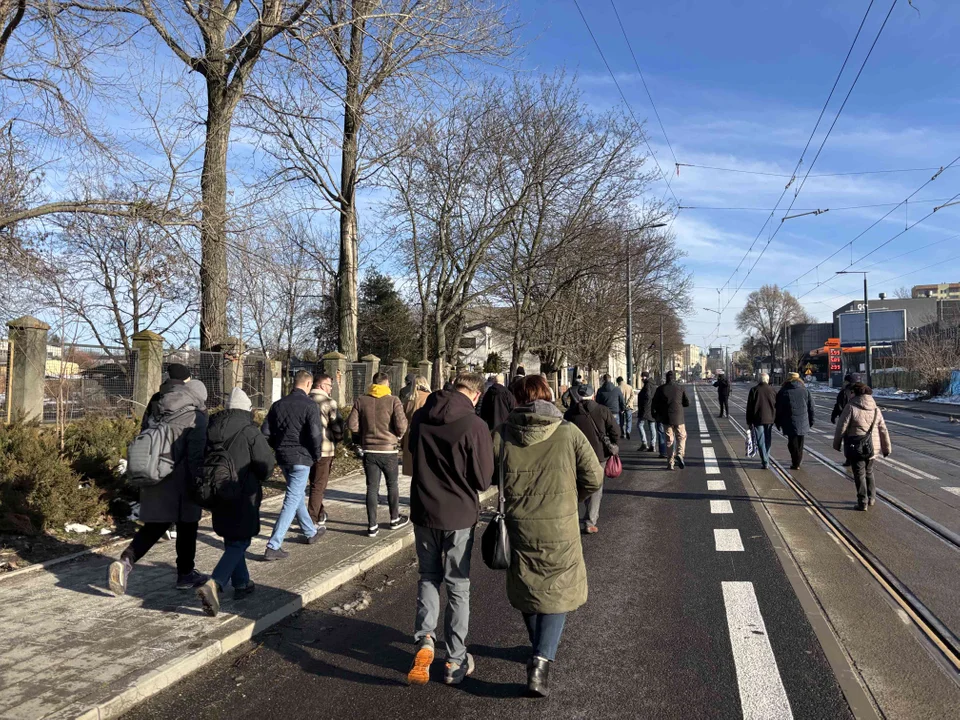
(609, 396)
(761, 416)
(547, 465)
(844, 395)
(377, 419)
(595, 421)
(497, 403)
(414, 402)
(409, 388)
(331, 423)
(630, 406)
(452, 462)
(294, 431)
(180, 405)
(861, 417)
(645, 420)
(723, 393)
(236, 518)
(570, 395)
(668, 404)
(794, 416)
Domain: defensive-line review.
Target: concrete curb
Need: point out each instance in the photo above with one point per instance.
(129, 694)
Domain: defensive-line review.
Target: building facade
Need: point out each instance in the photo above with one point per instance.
(941, 291)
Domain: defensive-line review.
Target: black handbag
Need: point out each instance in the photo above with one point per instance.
(495, 543)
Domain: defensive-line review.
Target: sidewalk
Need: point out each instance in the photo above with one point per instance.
(71, 649)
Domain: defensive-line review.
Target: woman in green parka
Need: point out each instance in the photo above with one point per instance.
(548, 467)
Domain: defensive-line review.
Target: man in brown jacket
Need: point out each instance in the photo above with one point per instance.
(377, 418)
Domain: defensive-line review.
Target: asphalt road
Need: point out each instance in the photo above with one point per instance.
(670, 629)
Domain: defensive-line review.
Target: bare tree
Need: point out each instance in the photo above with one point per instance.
(766, 315)
(902, 293)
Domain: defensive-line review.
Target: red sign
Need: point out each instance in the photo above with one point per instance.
(835, 365)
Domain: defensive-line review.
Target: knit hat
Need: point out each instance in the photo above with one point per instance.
(178, 371)
(855, 377)
(793, 376)
(238, 400)
(585, 390)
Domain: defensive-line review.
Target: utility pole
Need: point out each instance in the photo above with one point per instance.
(866, 320)
(661, 348)
(629, 319)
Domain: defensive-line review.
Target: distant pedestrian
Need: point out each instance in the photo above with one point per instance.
(496, 405)
(570, 395)
(645, 421)
(723, 393)
(378, 420)
(180, 408)
(409, 387)
(844, 395)
(762, 415)
(414, 402)
(862, 417)
(236, 518)
(609, 396)
(295, 432)
(795, 416)
(595, 421)
(630, 402)
(668, 404)
(331, 423)
(452, 463)
(546, 464)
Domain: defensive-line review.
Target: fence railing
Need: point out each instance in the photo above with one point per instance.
(206, 366)
(81, 380)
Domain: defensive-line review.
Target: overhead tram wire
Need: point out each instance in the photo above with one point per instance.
(796, 169)
(831, 209)
(813, 175)
(616, 82)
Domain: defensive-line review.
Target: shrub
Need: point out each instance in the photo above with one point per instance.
(94, 446)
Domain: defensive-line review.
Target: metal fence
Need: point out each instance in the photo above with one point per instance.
(206, 366)
(82, 380)
(254, 379)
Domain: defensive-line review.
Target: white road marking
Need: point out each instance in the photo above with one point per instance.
(716, 485)
(710, 461)
(762, 695)
(728, 540)
(922, 429)
(909, 469)
(720, 507)
(905, 469)
(954, 490)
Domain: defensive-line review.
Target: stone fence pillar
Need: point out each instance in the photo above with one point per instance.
(371, 365)
(149, 370)
(27, 367)
(425, 368)
(335, 365)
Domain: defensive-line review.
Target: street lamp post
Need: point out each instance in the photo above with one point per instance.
(866, 320)
(630, 378)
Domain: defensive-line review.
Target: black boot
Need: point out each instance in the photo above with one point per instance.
(538, 677)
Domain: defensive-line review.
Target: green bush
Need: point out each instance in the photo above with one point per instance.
(94, 446)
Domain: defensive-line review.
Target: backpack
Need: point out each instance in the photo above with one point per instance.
(218, 482)
(150, 454)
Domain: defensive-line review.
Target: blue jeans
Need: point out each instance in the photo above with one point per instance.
(444, 557)
(661, 439)
(545, 631)
(293, 505)
(233, 564)
(626, 425)
(763, 436)
(645, 428)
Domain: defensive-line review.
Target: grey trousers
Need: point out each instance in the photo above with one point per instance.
(444, 556)
(590, 508)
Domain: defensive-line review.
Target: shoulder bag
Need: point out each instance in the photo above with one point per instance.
(495, 543)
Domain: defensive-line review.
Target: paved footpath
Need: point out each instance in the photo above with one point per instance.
(69, 648)
(691, 615)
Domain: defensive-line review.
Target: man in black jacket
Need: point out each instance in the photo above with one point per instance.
(452, 463)
(497, 403)
(668, 404)
(609, 396)
(295, 433)
(794, 416)
(723, 393)
(645, 420)
(594, 421)
(761, 415)
(843, 397)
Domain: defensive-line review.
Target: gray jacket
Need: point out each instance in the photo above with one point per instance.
(170, 500)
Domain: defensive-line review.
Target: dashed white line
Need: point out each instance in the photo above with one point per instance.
(720, 507)
(909, 469)
(762, 695)
(954, 490)
(728, 540)
(716, 485)
(710, 461)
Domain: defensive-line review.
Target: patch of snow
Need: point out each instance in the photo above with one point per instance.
(363, 601)
(106, 531)
(77, 528)
(946, 400)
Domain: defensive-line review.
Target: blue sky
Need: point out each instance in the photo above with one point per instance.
(739, 84)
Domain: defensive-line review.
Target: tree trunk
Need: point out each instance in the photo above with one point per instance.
(213, 219)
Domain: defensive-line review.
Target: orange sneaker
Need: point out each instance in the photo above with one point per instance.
(420, 672)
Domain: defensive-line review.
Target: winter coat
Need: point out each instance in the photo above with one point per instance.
(496, 406)
(170, 500)
(762, 405)
(570, 396)
(629, 396)
(548, 466)
(252, 456)
(610, 396)
(723, 387)
(668, 403)
(590, 416)
(293, 429)
(330, 420)
(452, 462)
(855, 421)
(843, 397)
(414, 402)
(794, 409)
(645, 401)
(379, 420)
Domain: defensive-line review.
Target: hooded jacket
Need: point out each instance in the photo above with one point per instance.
(609, 395)
(794, 408)
(645, 401)
(252, 457)
(184, 406)
(855, 421)
(496, 405)
(452, 462)
(762, 405)
(293, 429)
(378, 419)
(590, 417)
(668, 403)
(547, 466)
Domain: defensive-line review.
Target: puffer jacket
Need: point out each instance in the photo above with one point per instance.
(645, 401)
(378, 419)
(548, 466)
(610, 396)
(855, 421)
(293, 429)
(794, 409)
(184, 406)
(330, 421)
